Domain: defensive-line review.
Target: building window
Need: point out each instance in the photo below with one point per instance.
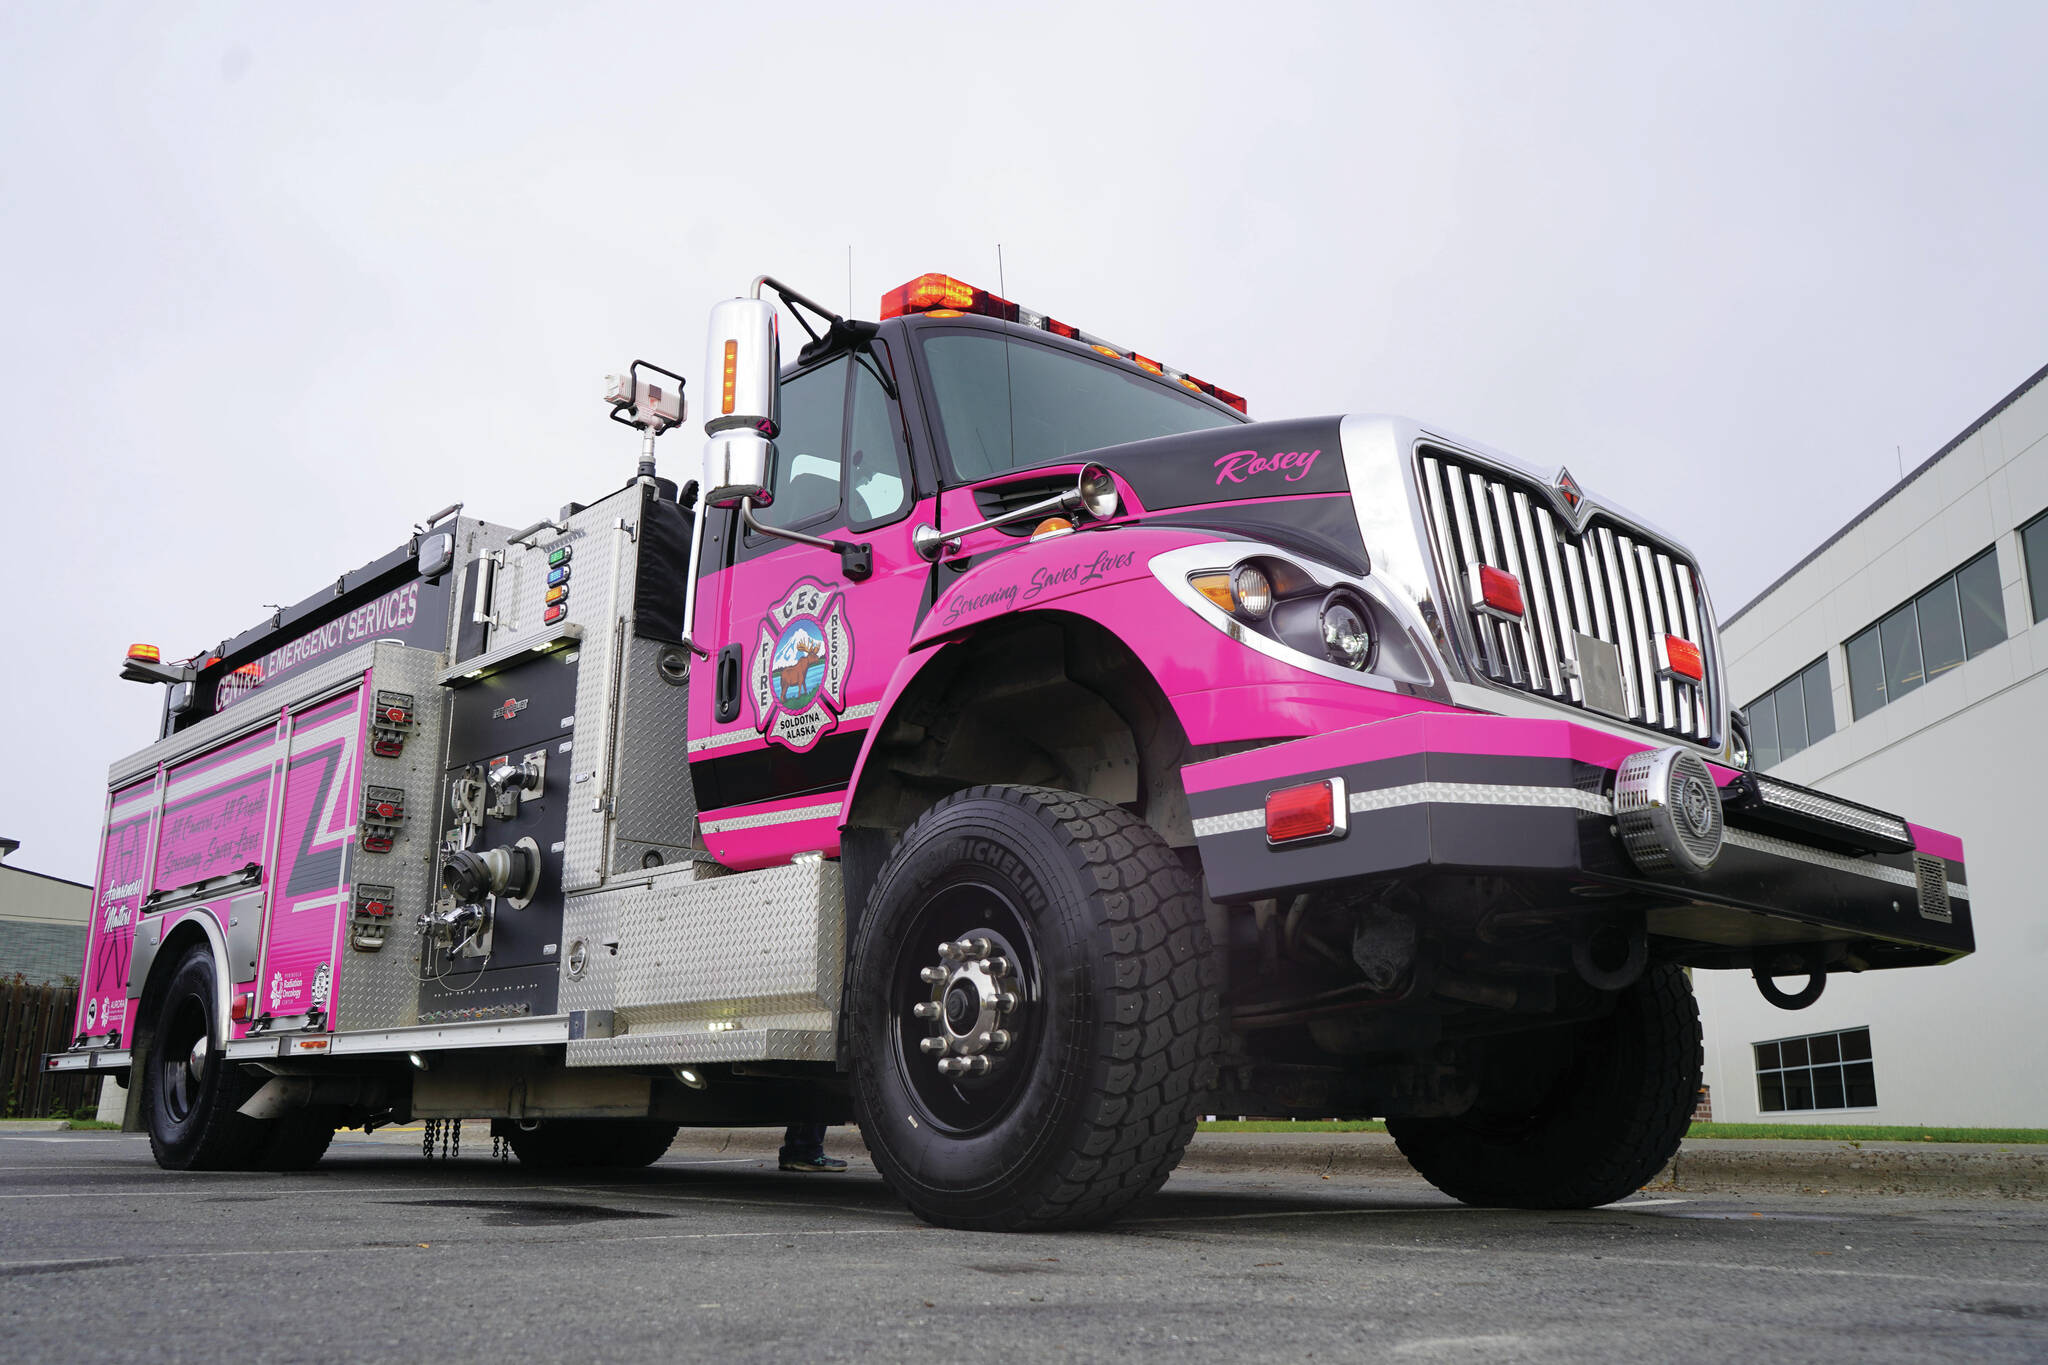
(2034, 549)
(1797, 712)
(1953, 621)
(1819, 1071)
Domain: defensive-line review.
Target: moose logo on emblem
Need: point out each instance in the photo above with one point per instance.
(801, 660)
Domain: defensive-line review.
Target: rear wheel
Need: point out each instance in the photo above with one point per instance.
(191, 1090)
(558, 1144)
(1571, 1118)
(1035, 1006)
(295, 1141)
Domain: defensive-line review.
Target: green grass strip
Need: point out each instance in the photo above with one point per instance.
(1866, 1132)
(1798, 1132)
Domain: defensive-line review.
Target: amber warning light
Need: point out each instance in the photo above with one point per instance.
(942, 296)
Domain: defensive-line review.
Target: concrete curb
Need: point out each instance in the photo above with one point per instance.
(1733, 1165)
(1704, 1166)
(34, 1125)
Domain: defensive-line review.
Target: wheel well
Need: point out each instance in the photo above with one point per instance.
(176, 944)
(1041, 697)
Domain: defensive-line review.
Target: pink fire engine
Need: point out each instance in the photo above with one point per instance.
(1005, 743)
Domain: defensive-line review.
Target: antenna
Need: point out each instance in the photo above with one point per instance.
(1009, 388)
(1899, 453)
(849, 279)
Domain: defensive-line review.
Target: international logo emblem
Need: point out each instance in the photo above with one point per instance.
(801, 660)
(1569, 494)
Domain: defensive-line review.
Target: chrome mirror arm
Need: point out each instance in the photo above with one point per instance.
(855, 561)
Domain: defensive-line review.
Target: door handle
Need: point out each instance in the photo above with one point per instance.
(728, 699)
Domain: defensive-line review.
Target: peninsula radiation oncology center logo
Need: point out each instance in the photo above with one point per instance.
(801, 661)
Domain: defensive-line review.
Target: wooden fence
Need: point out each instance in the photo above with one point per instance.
(35, 1020)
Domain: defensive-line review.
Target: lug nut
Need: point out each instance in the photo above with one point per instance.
(932, 976)
(996, 1039)
(976, 947)
(949, 952)
(1006, 1000)
(950, 1066)
(996, 966)
(928, 1009)
(935, 1045)
(973, 1066)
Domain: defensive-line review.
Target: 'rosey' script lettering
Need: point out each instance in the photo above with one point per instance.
(1240, 465)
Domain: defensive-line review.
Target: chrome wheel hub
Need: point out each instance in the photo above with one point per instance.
(974, 989)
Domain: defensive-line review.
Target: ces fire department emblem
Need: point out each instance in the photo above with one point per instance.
(801, 661)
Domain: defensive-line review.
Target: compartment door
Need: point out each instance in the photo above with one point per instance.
(306, 891)
(110, 936)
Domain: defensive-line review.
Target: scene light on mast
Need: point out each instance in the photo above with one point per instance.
(942, 296)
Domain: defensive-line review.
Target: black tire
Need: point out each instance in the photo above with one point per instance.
(1569, 1118)
(564, 1144)
(191, 1090)
(295, 1141)
(1114, 1030)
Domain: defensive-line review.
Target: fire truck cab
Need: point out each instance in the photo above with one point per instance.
(1001, 741)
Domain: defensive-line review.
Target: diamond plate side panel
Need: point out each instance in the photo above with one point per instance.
(653, 801)
(717, 967)
(675, 1049)
(380, 990)
(604, 560)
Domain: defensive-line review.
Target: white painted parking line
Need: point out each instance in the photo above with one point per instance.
(126, 1259)
(1299, 1213)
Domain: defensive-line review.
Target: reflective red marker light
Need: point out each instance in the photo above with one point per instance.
(1679, 659)
(1496, 592)
(1314, 810)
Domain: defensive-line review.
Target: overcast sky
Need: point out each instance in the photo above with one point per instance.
(280, 279)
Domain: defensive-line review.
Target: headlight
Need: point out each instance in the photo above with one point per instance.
(1251, 591)
(1346, 628)
(1245, 591)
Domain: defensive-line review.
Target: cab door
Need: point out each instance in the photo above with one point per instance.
(802, 653)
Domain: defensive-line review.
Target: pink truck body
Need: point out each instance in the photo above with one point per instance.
(592, 821)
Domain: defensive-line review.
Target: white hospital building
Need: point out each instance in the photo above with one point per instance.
(1904, 664)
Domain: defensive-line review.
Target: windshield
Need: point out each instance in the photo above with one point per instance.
(1038, 404)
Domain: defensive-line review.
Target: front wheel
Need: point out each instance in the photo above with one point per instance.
(1572, 1118)
(1035, 1008)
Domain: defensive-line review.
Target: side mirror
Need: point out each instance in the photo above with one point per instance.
(741, 362)
(739, 466)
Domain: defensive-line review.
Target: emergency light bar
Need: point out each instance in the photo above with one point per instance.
(942, 296)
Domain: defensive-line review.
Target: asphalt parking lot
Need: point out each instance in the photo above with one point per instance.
(379, 1254)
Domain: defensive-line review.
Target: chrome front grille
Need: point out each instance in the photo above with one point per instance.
(1606, 581)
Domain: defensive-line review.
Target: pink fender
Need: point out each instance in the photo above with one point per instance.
(1221, 690)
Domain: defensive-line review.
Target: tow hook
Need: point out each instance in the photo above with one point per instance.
(1788, 962)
